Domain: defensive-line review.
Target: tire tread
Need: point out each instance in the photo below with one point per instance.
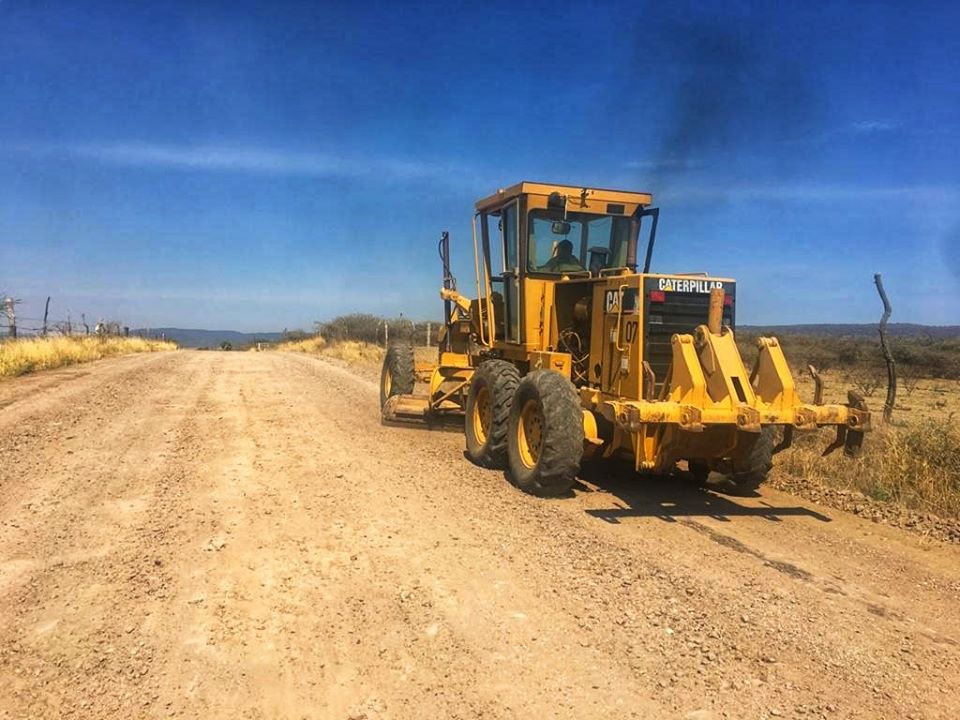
(502, 378)
(399, 360)
(562, 447)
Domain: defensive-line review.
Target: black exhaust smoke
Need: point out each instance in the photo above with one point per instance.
(727, 84)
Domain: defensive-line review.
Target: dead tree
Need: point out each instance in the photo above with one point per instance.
(46, 312)
(887, 355)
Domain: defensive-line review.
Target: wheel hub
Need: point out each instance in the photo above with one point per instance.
(482, 414)
(530, 433)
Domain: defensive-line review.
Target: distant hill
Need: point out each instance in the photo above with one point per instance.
(193, 338)
(908, 330)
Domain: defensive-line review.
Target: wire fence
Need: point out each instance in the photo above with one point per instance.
(14, 325)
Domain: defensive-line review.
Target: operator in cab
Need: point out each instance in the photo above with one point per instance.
(563, 260)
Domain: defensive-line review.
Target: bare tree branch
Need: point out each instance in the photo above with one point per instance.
(887, 356)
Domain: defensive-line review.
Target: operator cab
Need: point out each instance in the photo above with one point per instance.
(536, 233)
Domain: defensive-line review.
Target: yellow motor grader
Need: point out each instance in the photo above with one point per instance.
(574, 350)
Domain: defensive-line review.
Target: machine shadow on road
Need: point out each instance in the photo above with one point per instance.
(669, 498)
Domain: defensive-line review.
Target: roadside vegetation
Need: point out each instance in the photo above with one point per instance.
(859, 357)
(358, 338)
(377, 330)
(914, 461)
(349, 351)
(25, 355)
(915, 464)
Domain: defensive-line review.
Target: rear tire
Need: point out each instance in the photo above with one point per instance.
(398, 375)
(750, 473)
(545, 437)
(488, 412)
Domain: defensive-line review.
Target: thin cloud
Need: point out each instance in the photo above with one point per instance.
(814, 192)
(869, 127)
(662, 164)
(240, 159)
(859, 128)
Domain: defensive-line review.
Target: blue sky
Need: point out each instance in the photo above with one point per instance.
(256, 166)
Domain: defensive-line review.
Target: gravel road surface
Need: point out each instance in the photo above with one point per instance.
(235, 535)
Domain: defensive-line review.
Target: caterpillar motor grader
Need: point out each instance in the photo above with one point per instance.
(574, 350)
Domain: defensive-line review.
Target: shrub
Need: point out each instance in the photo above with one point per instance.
(370, 329)
(856, 356)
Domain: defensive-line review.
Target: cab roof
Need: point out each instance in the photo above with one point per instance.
(504, 195)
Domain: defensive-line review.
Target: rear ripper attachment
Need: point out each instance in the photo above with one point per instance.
(712, 412)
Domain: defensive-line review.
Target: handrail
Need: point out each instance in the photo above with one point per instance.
(491, 321)
(476, 272)
(620, 317)
(612, 271)
(481, 298)
(620, 350)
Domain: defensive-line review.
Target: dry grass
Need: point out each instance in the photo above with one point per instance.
(18, 357)
(914, 462)
(916, 465)
(352, 352)
(309, 345)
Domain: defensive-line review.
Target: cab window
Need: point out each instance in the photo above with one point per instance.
(579, 242)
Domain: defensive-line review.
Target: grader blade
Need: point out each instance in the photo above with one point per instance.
(405, 409)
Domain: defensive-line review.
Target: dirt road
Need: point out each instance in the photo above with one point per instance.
(227, 535)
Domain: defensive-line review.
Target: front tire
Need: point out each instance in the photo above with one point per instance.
(545, 436)
(398, 375)
(488, 412)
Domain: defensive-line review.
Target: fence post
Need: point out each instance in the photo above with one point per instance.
(428, 334)
(10, 304)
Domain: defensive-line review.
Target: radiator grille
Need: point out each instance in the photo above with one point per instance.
(679, 313)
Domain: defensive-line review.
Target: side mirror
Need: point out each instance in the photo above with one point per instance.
(560, 227)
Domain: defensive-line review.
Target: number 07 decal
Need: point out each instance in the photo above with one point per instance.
(630, 331)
